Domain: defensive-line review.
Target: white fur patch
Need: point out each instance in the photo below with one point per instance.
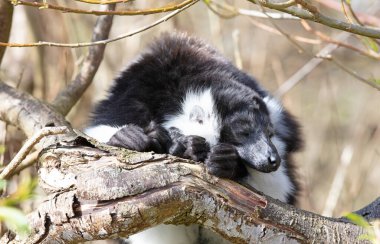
(275, 108)
(209, 128)
(275, 184)
(275, 112)
(167, 234)
(102, 133)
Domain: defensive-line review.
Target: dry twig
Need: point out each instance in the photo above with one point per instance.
(28, 146)
(98, 12)
(309, 12)
(68, 97)
(103, 42)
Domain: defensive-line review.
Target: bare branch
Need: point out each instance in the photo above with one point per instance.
(104, 1)
(67, 98)
(28, 146)
(310, 12)
(308, 67)
(363, 18)
(44, 6)
(103, 42)
(26, 112)
(369, 53)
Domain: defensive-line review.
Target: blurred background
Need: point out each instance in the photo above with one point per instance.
(339, 114)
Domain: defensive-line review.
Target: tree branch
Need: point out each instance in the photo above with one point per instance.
(98, 192)
(68, 97)
(101, 42)
(310, 12)
(27, 148)
(108, 12)
(26, 112)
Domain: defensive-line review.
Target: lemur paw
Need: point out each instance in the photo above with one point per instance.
(191, 147)
(223, 161)
(152, 138)
(160, 137)
(132, 137)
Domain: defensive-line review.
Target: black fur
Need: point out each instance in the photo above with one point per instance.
(154, 86)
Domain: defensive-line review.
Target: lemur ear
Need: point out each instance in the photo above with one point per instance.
(255, 104)
(197, 114)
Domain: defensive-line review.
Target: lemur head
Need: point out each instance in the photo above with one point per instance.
(249, 128)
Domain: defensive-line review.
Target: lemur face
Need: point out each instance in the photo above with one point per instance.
(251, 132)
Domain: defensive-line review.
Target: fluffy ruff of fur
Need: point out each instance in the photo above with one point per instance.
(182, 97)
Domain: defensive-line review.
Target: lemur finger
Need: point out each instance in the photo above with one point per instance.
(160, 136)
(197, 148)
(177, 149)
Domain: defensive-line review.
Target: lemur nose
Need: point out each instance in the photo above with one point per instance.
(274, 161)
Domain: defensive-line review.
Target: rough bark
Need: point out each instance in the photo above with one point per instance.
(26, 112)
(98, 192)
(103, 192)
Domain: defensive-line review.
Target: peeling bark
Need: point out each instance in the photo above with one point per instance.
(102, 192)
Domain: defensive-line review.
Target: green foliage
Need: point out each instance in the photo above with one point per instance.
(375, 80)
(370, 43)
(14, 218)
(372, 231)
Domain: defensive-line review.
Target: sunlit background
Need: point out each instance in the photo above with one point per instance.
(339, 114)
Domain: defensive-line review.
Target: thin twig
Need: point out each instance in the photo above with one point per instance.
(103, 1)
(326, 38)
(86, 44)
(258, 14)
(68, 97)
(364, 18)
(309, 66)
(233, 12)
(274, 31)
(28, 146)
(98, 12)
(310, 12)
(354, 74)
(337, 184)
(237, 55)
(286, 35)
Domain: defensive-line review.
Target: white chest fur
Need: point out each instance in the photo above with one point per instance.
(198, 117)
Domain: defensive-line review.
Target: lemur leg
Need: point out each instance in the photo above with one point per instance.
(151, 138)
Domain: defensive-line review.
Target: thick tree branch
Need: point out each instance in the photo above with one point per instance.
(26, 112)
(68, 97)
(98, 194)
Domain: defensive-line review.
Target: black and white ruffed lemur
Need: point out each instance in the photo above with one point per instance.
(182, 97)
